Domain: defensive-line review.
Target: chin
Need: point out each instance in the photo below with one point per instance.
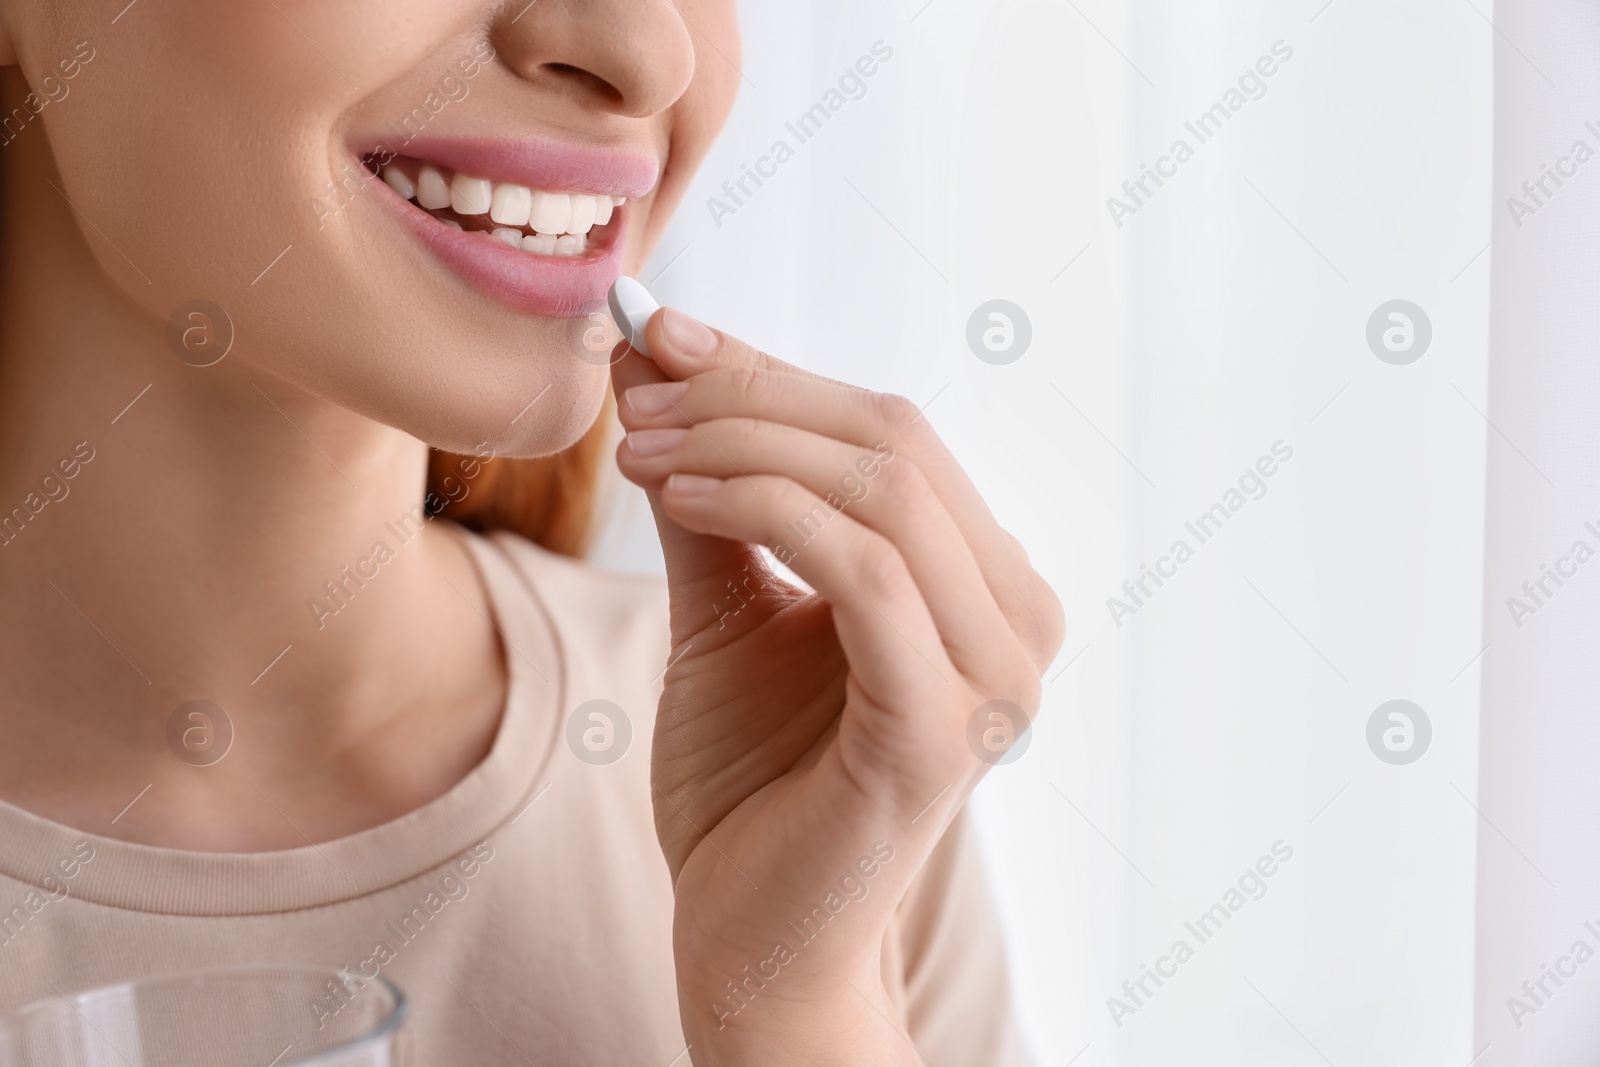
(523, 421)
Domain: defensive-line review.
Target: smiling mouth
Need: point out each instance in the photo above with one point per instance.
(538, 222)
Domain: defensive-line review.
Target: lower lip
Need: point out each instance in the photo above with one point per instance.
(556, 287)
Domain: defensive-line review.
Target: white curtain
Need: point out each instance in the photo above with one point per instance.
(1538, 869)
(1209, 324)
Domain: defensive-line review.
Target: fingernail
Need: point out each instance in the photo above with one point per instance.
(688, 336)
(692, 484)
(656, 398)
(643, 443)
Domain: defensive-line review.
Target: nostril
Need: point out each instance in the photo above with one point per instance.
(625, 58)
(587, 79)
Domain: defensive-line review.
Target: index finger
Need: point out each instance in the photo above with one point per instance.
(684, 346)
(727, 377)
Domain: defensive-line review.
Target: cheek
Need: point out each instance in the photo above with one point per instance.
(189, 182)
(197, 141)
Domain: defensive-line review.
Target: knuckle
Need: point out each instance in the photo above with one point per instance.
(1036, 610)
(788, 506)
(1038, 618)
(876, 563)
(1010, 673)
(898, 414)
(904, 486)
(732, 432)
(1028, 689)
(1013, 675)
(744, 382)
(793, 500)
(1053, 618)
(1018, 551)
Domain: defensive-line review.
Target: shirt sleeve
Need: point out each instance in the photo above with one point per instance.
(944, 959)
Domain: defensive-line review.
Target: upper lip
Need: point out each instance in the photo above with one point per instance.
(540, 163)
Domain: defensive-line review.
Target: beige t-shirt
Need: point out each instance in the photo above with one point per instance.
(527, 913)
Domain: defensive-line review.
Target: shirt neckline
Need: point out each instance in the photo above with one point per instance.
(170, 881)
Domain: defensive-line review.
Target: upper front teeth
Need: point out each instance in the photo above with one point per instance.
(549, 212)
(469, 196)
(507, 204)
(582, 212)
(433, 192)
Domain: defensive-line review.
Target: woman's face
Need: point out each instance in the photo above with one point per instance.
(222, 152)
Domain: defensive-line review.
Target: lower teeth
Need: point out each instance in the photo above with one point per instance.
(538, 244)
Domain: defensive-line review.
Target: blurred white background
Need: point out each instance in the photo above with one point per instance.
(1226, 314)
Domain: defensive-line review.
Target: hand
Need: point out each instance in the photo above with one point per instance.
(810, 744)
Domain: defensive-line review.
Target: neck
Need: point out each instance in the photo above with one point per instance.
(171, 533)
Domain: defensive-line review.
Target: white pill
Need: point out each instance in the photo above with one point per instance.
(632, 305)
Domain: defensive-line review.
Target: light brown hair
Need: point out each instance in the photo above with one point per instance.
(550, 500)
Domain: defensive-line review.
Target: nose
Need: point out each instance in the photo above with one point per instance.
(634, 58)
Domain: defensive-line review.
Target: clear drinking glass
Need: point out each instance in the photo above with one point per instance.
(256, 1016)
